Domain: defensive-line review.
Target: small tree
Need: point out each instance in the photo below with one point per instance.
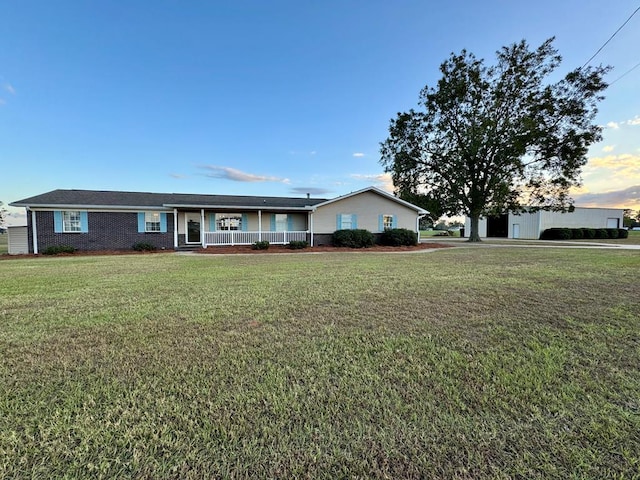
(492, 139)
(3, 214)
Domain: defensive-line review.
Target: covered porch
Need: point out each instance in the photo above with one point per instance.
(208, 228)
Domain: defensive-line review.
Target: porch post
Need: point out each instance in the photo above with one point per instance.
(202, 227)
(311, 226)
(259, 225)
(34, 232)
(175, 228)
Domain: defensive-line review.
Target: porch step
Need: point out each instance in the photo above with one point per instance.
(188, 248)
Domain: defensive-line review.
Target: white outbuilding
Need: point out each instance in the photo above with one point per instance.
(531, 225)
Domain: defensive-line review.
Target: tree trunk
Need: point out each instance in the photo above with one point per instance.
(474, 234)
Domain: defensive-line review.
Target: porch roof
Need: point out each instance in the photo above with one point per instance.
(137, 200)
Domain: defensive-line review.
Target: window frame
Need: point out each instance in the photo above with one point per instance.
(71, 221)
(147, 222)
(221, 216)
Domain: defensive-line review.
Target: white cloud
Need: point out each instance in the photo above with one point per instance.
(2, 101)
(9, 88)
(177, 175)
(608, 148)
(228, 173)
(614, 125)
(358, 154)
(634, 121)
(382, 180)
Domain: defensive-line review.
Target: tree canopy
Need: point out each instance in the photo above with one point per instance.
(489, 139)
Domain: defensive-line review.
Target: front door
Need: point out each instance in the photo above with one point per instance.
(193, 227)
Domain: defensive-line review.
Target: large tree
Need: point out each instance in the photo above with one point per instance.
(490, 139)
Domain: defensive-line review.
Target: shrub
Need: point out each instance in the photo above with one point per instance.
(577, 234)
(556, 234)
(602, 233)
(589, 232)
(398, 236)
(298, 244)
(623, 233)
(262, 245)
(353, 238)
(56, 249)
(613, 232)
(144, 247)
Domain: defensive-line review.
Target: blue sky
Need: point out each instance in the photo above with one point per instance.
(269, 97)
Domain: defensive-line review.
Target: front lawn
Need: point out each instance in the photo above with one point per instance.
(461, 363)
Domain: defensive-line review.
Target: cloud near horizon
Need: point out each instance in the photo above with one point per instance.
(625, 198)
(310, 190)
(228, 173)
(358, 154)
(382, 180)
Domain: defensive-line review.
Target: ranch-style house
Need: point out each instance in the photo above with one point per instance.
(110, 220)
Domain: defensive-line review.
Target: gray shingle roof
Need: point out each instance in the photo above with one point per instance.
(96, 198)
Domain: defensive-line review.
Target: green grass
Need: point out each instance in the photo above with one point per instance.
(463, 363)
(4, 243)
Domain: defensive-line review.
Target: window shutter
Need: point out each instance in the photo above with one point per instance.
(289, 222)
(57, 221)
(381, 223)
(354, 221)
(244, 222)
(141, 226)
(339, 221)
(272, 223)
(84, 222)
(212, 222)
(163, 222)
(394, 221)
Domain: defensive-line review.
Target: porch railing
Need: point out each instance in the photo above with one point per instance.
(238, 237)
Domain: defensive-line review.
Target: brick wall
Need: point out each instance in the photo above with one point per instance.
(107, 231)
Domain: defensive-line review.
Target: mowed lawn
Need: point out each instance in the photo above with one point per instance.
(461, 363)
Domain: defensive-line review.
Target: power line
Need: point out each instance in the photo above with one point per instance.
(625, 73)
(610, 38)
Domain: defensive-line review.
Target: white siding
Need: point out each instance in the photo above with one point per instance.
(18, 240)
(529, 224)
(482, 227)
(368, 206)
(580, 217)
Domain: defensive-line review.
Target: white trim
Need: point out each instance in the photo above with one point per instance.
(186, 229)
(259, 225)
(175, 228)
(311, 226)
(202, 226)
(373, 190)
(34, 229)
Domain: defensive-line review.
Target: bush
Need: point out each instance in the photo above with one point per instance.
(589, 233)
(602, 233)
(577, 234)
(262, 245)
(144, 247)
(298, 244)
(623, 233)
(56, 249)
(396, 237)
(613, 232)
(556, 234)
(353, 238)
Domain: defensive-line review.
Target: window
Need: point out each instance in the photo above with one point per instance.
(281, 222)
(387, 222)
(71, 222)
(152, 221)
(228, 221)
(347, 221)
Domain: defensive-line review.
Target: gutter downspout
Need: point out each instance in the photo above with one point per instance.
(418, 224)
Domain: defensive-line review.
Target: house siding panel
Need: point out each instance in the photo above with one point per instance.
(106, 231)
(367, 206)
